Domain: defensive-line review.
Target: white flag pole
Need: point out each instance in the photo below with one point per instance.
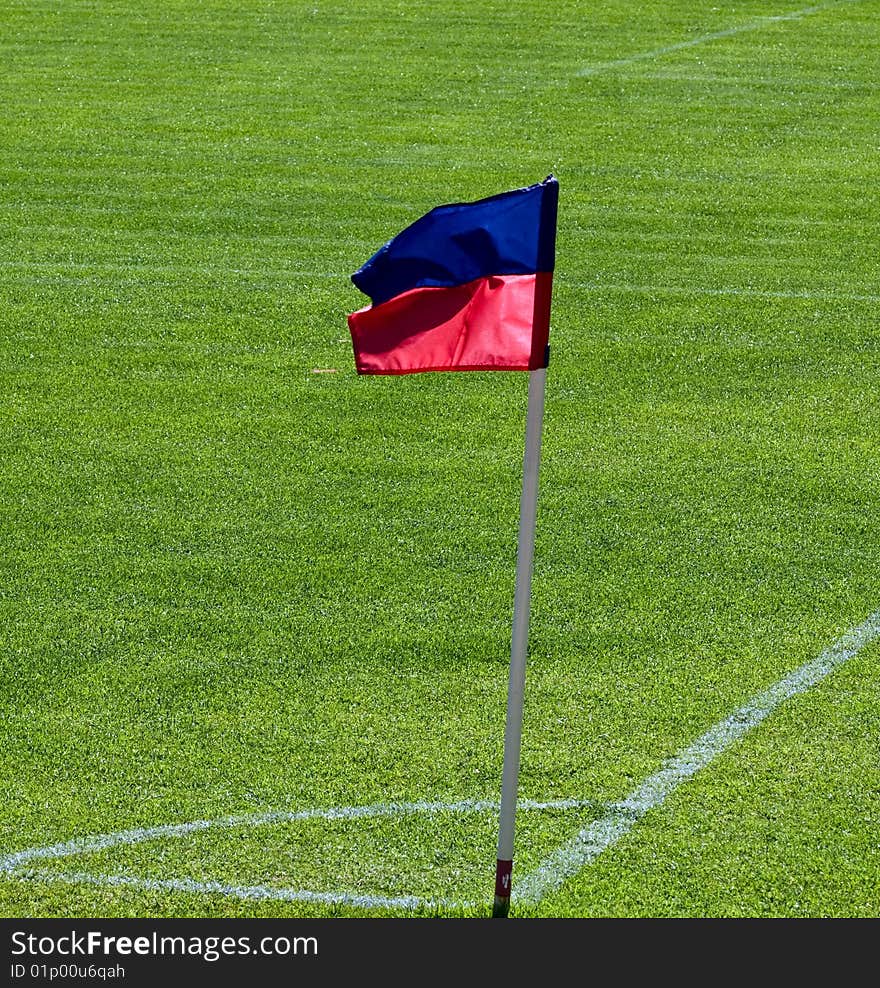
(519, 643)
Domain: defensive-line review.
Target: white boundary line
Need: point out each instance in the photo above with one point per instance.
(566, 862)
(587, 845)
(714, 36)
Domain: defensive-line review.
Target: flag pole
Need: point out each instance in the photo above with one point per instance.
(519, 642)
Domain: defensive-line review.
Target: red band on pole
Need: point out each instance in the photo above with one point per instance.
(503, 875)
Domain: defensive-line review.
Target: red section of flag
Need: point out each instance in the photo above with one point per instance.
(500, 322)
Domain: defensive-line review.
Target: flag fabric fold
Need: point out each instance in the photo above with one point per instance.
(465, 287)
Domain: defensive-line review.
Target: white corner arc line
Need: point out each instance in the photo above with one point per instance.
(10, 863)
(713, 36)
(589, 843)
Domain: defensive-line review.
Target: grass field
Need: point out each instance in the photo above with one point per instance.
(231, 586)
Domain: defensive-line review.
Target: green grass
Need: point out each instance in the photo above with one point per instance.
(229, 585)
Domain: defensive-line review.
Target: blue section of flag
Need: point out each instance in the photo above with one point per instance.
(511, 233)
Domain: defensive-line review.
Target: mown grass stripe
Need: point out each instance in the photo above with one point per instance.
(794, 293)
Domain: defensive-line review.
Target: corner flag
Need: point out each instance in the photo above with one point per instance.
(467, 287)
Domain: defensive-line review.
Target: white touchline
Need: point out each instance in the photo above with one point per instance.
(714, 36)
(590, 842)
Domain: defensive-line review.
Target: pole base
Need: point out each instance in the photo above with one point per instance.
(501, 907)
(503, 878)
